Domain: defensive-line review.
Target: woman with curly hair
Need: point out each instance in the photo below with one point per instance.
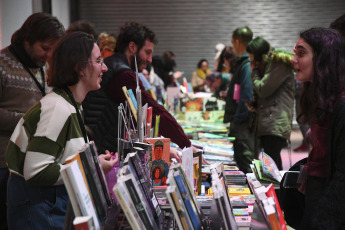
(319, 62)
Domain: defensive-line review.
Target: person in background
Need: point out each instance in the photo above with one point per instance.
(229, 60)
(199, 76)
(217, 83)
(49, 133)
(157, 83)
(133, 40)
(217, 59)
(339, 25)
(84, 26)
(107, 43)
(164, 66)
(222, 68)
(22, 80)
(240, 91)
(144, 78)
(273, 83)
(319, 63)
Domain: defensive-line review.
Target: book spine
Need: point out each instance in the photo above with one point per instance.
(134, 100)
(96, 191)
(190, 209)
(146, 187)
(174, 210)
(137, 203)
(71, 193)
(100, 174)
(127, 206)
(82, 194)
(129, 100)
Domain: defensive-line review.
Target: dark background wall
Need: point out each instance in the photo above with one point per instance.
(192, 28)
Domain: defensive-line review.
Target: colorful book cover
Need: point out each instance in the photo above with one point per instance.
(269, 167)
(271, 193)
(213, 104)
(160, 160)
(194, 104)
(134, 100)
(130, 102)
(149, 121)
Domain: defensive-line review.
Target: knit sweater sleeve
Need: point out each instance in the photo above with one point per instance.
(168, 126)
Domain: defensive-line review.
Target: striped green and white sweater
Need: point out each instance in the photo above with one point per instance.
(47, 134)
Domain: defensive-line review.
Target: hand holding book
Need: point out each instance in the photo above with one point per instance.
(107, 161)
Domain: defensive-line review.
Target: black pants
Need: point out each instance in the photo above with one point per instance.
(314, 190)
(243, 154)
(272, 145)
(243, 145)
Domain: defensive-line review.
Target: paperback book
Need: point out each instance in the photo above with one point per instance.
(160, 160)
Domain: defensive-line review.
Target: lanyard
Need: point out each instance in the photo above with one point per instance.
(81, 123)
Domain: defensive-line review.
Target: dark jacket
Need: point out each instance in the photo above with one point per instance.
(238, 112)
(331, 212)
(114, 80)
(275, 100)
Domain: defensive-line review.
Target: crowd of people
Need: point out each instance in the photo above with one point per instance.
(60, 89)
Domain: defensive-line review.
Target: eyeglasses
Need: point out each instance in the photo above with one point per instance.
(99, 61)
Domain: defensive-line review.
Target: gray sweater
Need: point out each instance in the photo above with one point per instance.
(18, 93)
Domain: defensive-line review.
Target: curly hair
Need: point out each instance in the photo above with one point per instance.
(133, 32)
(154, 171)
(320, 96)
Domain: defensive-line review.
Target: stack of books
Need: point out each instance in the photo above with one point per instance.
(135, 195)
(268, 205)
(86, 185)
(186, 209)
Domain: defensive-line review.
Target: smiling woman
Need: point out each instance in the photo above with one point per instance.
(320, 63)
(50, 132)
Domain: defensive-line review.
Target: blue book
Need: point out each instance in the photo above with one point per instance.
(134, 100)
(186, 199)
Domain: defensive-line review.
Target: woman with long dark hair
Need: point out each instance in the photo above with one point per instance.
(319, 62)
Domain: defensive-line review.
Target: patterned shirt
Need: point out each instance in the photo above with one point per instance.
(47, 134)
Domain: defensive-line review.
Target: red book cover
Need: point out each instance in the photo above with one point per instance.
(160, 160)
(271, 193)
(148, 120)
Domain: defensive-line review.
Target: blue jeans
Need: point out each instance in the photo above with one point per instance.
(35, 207)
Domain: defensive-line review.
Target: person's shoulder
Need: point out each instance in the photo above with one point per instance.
(7, 60)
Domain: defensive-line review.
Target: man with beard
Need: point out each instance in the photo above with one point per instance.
(22, 78)
(100, 107)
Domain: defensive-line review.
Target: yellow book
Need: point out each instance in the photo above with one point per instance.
(239, 191)
(130, 102)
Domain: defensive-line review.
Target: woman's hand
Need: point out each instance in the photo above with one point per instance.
(107, 161)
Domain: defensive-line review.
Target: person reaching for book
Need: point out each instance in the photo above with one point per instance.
(51, 131)
(134, 40)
